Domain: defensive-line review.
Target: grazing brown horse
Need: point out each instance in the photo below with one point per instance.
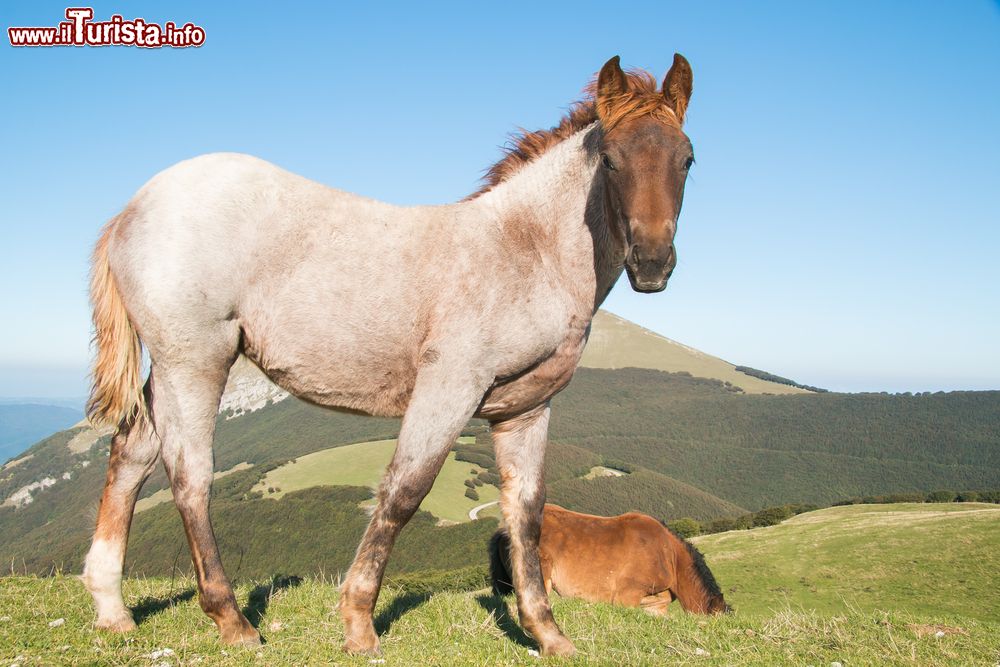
(631, 560)
(431, 313)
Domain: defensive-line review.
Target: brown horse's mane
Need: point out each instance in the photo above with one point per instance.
(642, 98)
(700, 566)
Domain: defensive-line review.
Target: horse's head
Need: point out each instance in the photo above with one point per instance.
(716, 605)
(645, 158)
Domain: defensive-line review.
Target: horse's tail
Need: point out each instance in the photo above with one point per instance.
(116, 390)
(503, 582)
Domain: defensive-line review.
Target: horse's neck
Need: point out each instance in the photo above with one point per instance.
(556, 197)
(691, 592)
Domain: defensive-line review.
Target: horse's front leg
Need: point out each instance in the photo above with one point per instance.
(444, 398)
(520, 453)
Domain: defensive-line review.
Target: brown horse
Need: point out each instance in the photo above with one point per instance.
(631, 560)
(431, 313)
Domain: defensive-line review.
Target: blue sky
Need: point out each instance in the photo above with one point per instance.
(841, 227)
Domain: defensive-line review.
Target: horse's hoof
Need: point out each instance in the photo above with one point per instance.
(359, 633)
(243, 634)
(250, 640)
(117, 624)
(239, 632)
(559, 648)
(352, 647)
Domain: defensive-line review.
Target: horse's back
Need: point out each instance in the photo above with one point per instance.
(335, 296)
(603, 558)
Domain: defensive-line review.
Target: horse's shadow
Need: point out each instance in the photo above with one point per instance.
(147, 607)
(260, 597)
(255, 609)
(497, 607)
(401, 604)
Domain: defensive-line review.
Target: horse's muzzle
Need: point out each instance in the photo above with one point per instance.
(649, 272)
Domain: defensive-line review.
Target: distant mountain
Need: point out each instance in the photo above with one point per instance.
(618, 343)
(22, 425)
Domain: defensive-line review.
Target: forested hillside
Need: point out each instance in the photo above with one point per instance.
(758, 450)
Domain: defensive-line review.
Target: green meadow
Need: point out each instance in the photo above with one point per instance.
(363, 464)
(859, 585)
(926, 558)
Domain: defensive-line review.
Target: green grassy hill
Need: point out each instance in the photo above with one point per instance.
(363, 464)
(934, 558)
(865, 585)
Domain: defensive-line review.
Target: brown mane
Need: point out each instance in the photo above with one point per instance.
(642, 98)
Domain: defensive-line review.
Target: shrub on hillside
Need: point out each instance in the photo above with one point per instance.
(744, 522)
(800, 508)
(941, 496)
(471, 494)
(721, 525)
(771, 377)
(771, 516)
(914, 497)
(989, 496)
(968, 497)
(481, 460)
(686, 527)
(488, 477)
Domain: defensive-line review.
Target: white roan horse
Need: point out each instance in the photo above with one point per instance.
(433, 313)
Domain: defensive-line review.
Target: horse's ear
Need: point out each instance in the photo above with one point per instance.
(611, 84)
(677, 86)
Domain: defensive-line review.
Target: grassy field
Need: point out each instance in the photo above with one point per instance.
(363, 465)
(301, 626)
(850, 585)
(926, 558)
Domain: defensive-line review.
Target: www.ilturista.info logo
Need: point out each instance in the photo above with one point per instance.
(81, 30)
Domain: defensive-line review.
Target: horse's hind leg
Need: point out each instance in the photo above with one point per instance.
(185, 407)
(519, 444)
(133, 454)
(444, 399)
(656, 605)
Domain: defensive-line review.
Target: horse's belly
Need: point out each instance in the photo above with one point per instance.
(381, 392)
(374, 377)
(594, 585)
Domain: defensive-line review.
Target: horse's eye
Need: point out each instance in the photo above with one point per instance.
(688, 162)
(606, 161)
